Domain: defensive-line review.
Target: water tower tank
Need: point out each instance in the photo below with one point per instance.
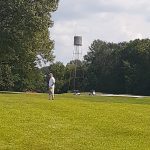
(78, 40)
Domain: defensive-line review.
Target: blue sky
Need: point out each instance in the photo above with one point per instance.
(108, 20)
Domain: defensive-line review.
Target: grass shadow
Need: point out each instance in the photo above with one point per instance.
(10, 92)
(117, 99)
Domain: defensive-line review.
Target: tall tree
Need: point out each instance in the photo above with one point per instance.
(101, 60)
(24, 35)
(135, 65)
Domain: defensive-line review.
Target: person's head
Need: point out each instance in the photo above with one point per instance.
(50, 75)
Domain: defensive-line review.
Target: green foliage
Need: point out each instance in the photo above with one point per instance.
(107, 67)
(101, 60)
(136, 62)
(58, 70)
(24, 35)
(119, 68)
(6, 78)
(80, 68)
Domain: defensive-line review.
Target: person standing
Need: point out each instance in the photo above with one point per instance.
(51, 86)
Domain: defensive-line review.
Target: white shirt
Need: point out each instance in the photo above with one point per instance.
(52, 82)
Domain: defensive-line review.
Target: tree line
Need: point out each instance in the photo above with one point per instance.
(119, 68)
(108, 67)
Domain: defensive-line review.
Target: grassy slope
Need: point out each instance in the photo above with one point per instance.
(30, 121)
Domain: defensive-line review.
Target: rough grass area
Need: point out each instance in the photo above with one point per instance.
(31, 122)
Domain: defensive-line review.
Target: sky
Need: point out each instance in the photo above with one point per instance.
(107, 20)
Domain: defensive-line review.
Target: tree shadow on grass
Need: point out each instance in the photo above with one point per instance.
(113, 99)
(10, 92)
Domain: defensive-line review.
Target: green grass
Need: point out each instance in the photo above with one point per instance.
(31, 122)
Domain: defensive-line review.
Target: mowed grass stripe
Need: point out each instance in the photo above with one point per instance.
(30, 121)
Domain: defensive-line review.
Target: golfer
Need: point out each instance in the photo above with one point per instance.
(51, 86)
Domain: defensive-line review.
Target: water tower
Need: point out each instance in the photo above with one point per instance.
(77, 44)
(76, 55)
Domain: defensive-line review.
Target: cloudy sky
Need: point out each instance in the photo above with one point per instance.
(108, 20)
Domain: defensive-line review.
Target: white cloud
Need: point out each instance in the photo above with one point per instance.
(111, 20)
